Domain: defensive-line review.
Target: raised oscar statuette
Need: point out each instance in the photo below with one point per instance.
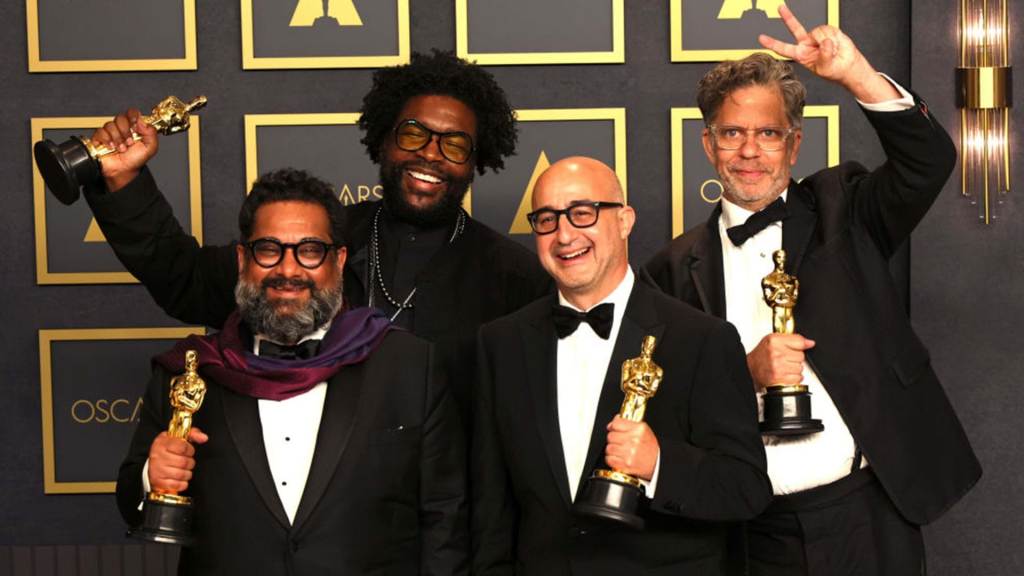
(68, 166)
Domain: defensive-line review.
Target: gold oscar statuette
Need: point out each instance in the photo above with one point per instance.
(610, 494)
(166, 515)
(74, 163)
(787, 408)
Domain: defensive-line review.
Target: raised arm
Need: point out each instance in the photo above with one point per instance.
(830, 54)
(193, 284)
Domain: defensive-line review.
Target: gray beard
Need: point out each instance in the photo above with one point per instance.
(261, 316)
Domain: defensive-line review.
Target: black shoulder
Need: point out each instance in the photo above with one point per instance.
(679, 249)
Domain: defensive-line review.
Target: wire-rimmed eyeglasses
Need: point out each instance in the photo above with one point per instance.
(767, 138)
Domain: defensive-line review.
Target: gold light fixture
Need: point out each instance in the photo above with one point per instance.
(983, 81)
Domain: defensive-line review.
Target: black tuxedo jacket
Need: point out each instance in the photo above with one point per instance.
(385, 492)
(482, 276)
(712, 461)
(844, 224)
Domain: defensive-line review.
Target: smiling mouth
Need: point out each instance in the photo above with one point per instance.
(423, 176)
(574, 255)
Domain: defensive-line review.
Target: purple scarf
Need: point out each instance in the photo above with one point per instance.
(224, 358)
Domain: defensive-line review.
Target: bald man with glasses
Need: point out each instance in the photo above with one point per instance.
(551, 385)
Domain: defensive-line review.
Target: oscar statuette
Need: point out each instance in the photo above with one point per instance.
(610, 494)
(68, 166)
(787, 408)
(167, 516)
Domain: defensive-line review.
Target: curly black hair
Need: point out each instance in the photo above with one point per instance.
(289, 184)
(441, 73)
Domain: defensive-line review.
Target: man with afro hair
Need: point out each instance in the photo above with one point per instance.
(417, 255)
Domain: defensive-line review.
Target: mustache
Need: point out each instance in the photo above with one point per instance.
(435, 167)
(279, 282)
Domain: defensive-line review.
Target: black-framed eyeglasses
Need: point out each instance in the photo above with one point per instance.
(767, 138)
(268, 252)
(580, 215)
(411, 136)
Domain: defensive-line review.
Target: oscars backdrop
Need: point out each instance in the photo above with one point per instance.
(611, 79)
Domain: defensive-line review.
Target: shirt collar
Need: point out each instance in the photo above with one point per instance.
(317, 334)
(734, 214)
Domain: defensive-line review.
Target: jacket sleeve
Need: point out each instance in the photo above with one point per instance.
(153, 419)
(890, 201)
(443, 499)
(494, 518)
(719, 472)
(191, 283)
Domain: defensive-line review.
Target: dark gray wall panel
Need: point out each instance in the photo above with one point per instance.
(966, 285)
(966, 280)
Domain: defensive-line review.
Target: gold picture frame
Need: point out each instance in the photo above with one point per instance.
(679, 54)
(37, 64)
(617, 55)
(43, 274)
(251, 62)
(46, 338)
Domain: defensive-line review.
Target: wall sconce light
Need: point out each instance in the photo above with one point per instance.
(983, 82)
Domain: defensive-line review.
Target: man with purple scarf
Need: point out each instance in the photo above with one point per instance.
(328, 441)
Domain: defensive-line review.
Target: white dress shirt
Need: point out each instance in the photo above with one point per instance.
(804, 462)
(583, 359)
(289, 435)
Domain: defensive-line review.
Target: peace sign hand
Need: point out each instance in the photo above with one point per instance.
(830, 54)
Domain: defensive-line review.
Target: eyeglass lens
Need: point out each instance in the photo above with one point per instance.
(769, 138)
(455, 146)
(308, 253)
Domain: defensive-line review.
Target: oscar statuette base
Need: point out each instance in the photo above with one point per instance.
(166, 519)
(66, 167)
(611, 496)
(787, 412)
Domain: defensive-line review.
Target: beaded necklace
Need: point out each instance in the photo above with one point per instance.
(377, 271)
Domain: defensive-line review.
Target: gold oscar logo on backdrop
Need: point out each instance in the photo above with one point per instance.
(737, 9)
(93, 233)
(519, 224)
(103, 410)
(310, 12)
(362, 193)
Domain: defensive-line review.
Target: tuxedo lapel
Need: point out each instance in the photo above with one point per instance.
(706, 267)
(639, 320)
(798, 227)
(541, 345)
(241, 413)
(339, 415)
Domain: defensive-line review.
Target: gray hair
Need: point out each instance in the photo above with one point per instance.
(758, 69)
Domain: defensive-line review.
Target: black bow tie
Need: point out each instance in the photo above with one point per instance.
(300, 351)
(758, 221)
(568, 320)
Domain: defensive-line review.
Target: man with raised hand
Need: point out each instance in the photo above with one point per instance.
(416, 255)
(892, 456)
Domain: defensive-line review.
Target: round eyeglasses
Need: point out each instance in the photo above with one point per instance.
(580, 215)
(767, 138)
(268, 252)
(411, 136)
